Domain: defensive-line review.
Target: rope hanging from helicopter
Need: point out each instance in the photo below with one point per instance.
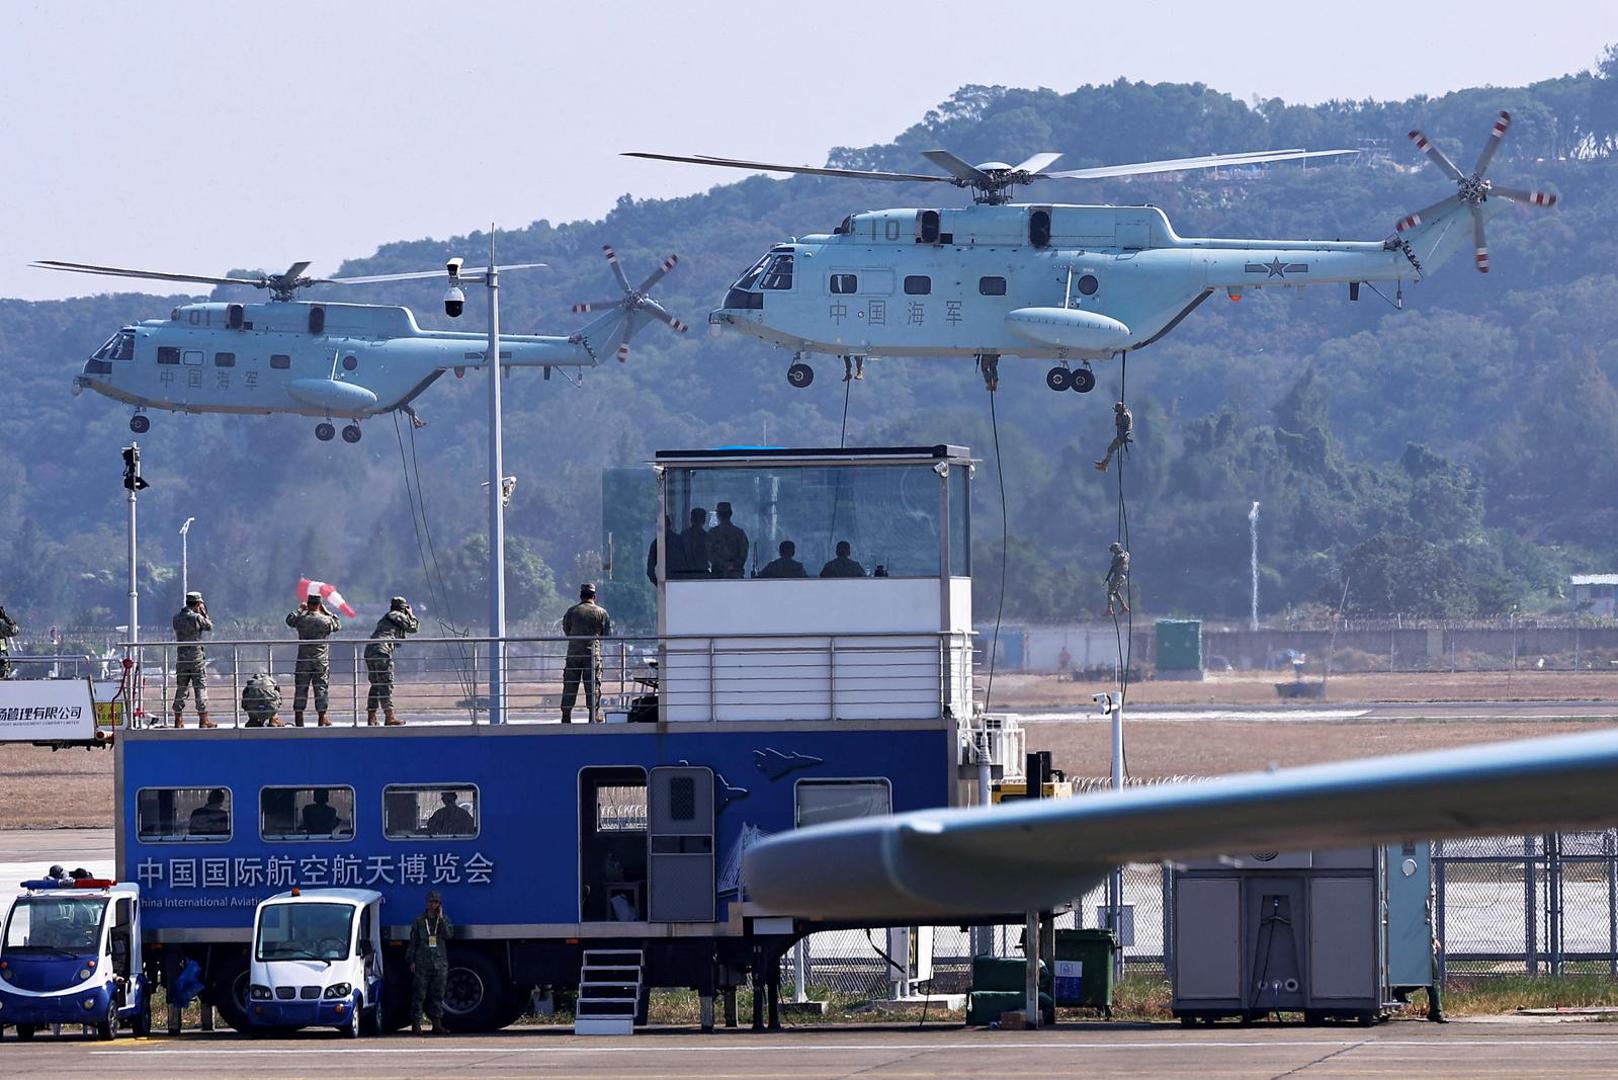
(1005, 543)
(1124, 635)
(438, 594)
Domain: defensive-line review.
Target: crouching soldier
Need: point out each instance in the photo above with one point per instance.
(261, 700)
(390, 630)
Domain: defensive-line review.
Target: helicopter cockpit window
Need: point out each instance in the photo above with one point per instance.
(121, 346)
(749, 279)
(845, 227)
(779, 274)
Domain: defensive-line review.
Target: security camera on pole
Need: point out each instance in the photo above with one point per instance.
(133, 483)
(454, 304)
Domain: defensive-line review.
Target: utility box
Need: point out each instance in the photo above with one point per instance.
(1179, 648)
(1084, 969)
(1302, 932)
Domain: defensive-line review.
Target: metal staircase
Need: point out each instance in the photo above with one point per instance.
(609, 992)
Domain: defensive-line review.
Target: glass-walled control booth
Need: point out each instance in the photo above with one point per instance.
(827, 583)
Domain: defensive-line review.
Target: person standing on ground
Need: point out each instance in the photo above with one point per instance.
(1118, 578)
(391, 628)
(8, 630)
(314, 625)
(586, 623)
(428, 957)
(190, 671)
(1123, 421)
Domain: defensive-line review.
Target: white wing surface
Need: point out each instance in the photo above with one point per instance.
(1028, 855)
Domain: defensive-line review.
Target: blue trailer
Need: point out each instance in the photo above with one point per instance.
(784, 700)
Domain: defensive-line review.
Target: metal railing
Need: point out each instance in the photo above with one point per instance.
(445, 680)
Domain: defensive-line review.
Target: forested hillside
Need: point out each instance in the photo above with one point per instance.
(1457, 457)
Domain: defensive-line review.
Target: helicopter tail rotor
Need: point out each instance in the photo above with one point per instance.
(1472, 191)
(628, 315)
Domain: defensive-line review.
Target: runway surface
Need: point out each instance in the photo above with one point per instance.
(1348, 712)
(1400, 1049)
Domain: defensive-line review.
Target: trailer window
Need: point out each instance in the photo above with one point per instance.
(430, 811)
(178, 815)
(821, 801)
(306, 813)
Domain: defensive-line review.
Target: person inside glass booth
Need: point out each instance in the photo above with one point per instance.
(786, 566)
(843, 565)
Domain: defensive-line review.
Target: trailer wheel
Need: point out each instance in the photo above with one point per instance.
(25, 1032)
(474, 994)
(227, 989)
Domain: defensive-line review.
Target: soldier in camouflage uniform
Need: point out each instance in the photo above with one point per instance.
(261, 698)
(1123, 422)
(727, 546)
(314, 624)
(390, 630)
(190, 623)
(1118, 578)
(586, 621)
(8, 630)
(428, 957)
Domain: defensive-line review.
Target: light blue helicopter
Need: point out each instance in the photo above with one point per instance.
(1053, 281)
(330, 360)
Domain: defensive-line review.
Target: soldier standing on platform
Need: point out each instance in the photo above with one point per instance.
(391, 628)
(586, 622)
(190, 672)
(314, 625)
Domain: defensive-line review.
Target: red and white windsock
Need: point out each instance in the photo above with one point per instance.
(328, 595)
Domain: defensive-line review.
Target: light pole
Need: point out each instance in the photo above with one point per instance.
(185, 558)
(1252, 529)
(132, 484)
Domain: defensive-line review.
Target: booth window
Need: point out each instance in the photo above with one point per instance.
(306, 813)
(430, 811)
(821, 801)
(180, 815)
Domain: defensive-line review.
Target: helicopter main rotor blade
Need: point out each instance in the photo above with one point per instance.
(617, 270)
(1526, 197)
(1437, 156)
(660, 273)
(1496, 135)
(964, 171)
(1038, 163)
(807, 170)
(1207, 161)
(657, 311)
(469, 273)
(150, 275)
(1412, 220)
(1479, 241)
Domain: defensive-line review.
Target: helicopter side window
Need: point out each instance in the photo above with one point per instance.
(918, 285)
(317, 319)
(224, 359)
(125, 349)
(779, 274)
(992, 286)
(234, 316)
(280, 360)
(168, 354)
(747, 280)
(845, 284)
(1039, 228)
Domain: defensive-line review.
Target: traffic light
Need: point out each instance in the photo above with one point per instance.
(132, 478)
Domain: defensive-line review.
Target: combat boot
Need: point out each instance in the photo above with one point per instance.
(179, 721)
(415, 1027)
(297, 717)
(370, 718)
(1101, 466)
(567, 716)
(392, 718)
(203, 721)
(321, 720)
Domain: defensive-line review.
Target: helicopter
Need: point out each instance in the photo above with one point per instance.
(1068, 283)
(331, 360)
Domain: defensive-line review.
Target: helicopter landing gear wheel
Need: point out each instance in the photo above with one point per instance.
(324, 431)
(140, 423)
(1083, 380)
(351, 433)
(800, 375)
(1059, 379)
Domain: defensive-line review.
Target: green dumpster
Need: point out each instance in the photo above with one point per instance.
(1084, 967)
(984, 1007)
(1179, 645)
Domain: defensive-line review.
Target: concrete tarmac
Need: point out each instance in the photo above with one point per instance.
(1512, 1050)
(1343, 712)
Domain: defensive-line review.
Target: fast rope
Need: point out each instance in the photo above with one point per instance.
(438, 594)
(1005, 543)
(1124, 636)
(842, 439)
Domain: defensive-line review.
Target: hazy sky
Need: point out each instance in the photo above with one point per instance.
(201, 136)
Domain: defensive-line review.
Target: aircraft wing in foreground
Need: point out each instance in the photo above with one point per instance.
(1032, 855)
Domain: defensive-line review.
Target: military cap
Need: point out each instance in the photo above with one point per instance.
(397, 602)
(587, 589)
(1115, 546)
(432, 895)
(193, 597)
(723, 508)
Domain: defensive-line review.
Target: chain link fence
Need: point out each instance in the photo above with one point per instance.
(1534, 905)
